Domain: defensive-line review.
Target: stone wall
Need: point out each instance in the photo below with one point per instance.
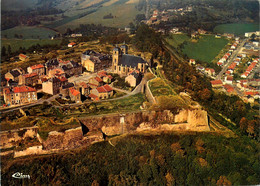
(195, 120)
(69, 139)
(9, 138)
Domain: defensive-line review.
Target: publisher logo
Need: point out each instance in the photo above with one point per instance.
(19, 175)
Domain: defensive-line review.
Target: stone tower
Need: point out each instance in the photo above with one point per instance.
(117, 54)
(124, 49)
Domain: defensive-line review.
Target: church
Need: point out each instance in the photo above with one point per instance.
(123, 63)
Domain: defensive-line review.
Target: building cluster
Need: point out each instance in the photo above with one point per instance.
(227, 55)
(165, 15)
(52, 77)
(94, 61)
(250, 68)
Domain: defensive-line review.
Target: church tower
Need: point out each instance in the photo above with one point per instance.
(116, 58)
(124, 49)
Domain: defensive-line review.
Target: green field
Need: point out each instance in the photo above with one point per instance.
(177, 39)
(28, 32)
(124, 14)
(206, 49)
(17, 43)
(237, 28)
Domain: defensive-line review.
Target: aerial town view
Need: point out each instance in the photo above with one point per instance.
(130, 92)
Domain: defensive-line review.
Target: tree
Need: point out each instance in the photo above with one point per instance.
(223, 181)
(9, 50)
(243, 124)
(3, 52)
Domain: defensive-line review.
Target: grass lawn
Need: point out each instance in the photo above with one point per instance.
(237, 28)
(17, 43)
(28, 32)
(177, 39)
(159, 88)
(206, 49)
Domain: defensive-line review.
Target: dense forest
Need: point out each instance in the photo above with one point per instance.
(162, 159)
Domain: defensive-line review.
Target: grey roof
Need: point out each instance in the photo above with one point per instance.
(52, 62)
(89, 52)
(129, 60)
(69, 85)
(74, 64)
(15, 73)
(117, 49)
(135, 74)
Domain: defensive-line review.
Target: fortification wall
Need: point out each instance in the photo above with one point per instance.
(9, 138)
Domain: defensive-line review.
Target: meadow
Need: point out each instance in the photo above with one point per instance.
(125, 13)
(177, 39)
(237, 28)
(17, 43)
(28, 32)
(206, 49)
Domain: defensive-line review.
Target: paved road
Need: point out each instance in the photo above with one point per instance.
(40, 101)
(231, 59)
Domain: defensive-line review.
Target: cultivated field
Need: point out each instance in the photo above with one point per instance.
(237, 28)
(17, 43)
(125, 13)
(206, 49)
(28, 32)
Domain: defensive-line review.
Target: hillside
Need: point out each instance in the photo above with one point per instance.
(147, 159)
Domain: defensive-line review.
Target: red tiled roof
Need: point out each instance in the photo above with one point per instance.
(37, 66)
(63, 78)
(229, 78)
(102, 73)
(251, 93)
(84, 85)
(22, 55)
(72, 43)
(227, 72)
(210, 69)
(110, 77)
(216, 82)
(93, 96)
(105, 88)
(30, 75)
(24, 89)
(98, 79)
(74, 92)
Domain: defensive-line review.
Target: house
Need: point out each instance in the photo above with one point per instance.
(29, 79)
(134, 78)
(96, 81)
(94, 61)
(51, 64)
(210, 71)
(23, 57)
(106, 78)
(19, 95)
(74, 95)
(230, 89)
(93, 97)
(229, 80)
(192, 62)
(64, 90)
(52, 86)
(57, 72)
(102, 92)
(14, 74)
(39, 69)
(70, 68)
(85, 88)
(216, 83)
(122, 63)
(72, 44)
